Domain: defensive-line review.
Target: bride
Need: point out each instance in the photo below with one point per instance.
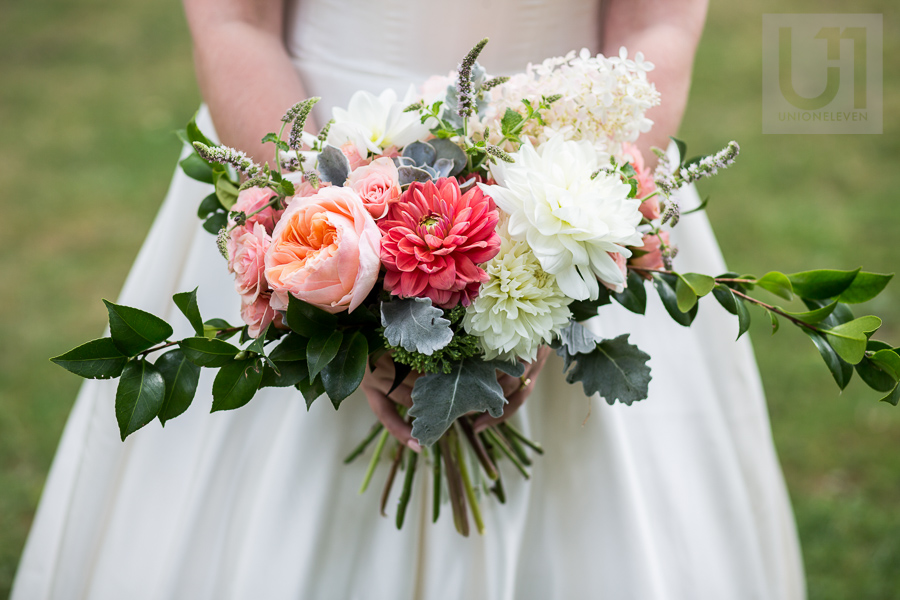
(677, 497)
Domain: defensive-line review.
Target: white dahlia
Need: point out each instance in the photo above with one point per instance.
(519, 308)
(374, 123)
(571, 222)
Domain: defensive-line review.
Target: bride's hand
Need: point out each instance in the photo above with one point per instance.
(377, 383)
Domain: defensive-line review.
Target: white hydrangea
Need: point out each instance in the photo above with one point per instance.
(519, 308)
(571, 222)
(604, 100)
(374, 123)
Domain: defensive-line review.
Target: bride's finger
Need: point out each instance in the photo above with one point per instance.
(386, 411)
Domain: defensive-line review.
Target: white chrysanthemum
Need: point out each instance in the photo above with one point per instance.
(519, 308)
(570, 221)
(604, 100)
(373, 123)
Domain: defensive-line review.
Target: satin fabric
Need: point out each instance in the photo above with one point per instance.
(678, 497)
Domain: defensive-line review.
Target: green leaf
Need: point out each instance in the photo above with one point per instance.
(197, 168)
(134, 330)
(259, 343)
(889, 361)
(634, 296)
(685, 295)
(236, 383)
(308, 320)
(208, 352)
(208, 206)
(289, 374)
(139, 396)
(664, 285)
(840, 370)
(849, 339)
(821, 284)
(345, 372)
(97, 359)
(312, 390)
(616, 370)
(181, 377)
(682, 149)
(815, 316)
(270, 137)
(227, 192)
(881, 374)
(291, 348)
(215, 222)
(441, 398)
(415, 325)
(575, 338)
(510, 121)
(701, 284)
(893, 397)
(724, 296)
(865, 286)
(777, 283)
(582, 310)
(743, 314)
(773, 318)
(287, 187)
(187, 304)
(321, 350)
(212, 327)
(194, 134)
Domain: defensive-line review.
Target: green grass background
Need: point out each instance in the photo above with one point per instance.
(90, 93)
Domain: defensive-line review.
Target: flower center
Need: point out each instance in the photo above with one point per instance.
(429, 221)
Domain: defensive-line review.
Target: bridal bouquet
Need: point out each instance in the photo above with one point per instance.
(451, 235)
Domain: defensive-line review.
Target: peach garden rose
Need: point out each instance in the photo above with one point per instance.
(324, 251)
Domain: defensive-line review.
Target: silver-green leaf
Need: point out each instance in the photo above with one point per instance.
(415, 325)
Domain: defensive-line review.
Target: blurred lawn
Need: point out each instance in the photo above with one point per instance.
(92, 91)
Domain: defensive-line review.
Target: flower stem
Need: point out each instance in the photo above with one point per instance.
(176, 342)
(407, 488)
(455, 487)
(514, 445)
(487, 464)
(376, 429)
(513, 432)
(436, 491)
(392, 474)
(467, 484)
(500, 443)
(379, 447)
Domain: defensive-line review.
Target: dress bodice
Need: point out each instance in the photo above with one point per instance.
(340, 46)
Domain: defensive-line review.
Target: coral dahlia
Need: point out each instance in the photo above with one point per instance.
(434, 239)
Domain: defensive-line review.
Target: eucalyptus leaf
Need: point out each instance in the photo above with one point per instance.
(616, 370)
(134, 330)
(343, 374)
(181, 377)
(139, 396)
(415, 325)
(333, 166)
(97, 359)
(236, 383)
(321, 350)
(840, 370)
(187, 304)
(822, 284)
(441, 398)
(208, 352)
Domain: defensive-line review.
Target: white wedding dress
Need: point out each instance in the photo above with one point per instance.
(678, 497)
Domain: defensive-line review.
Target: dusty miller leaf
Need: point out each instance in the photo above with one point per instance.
(415, 325)
(616, 370)
(441, 398)
(575, 338)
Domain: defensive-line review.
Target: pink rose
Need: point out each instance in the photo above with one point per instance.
(620, 262)
(646, 186)
(258, 314)
(652, 249)
(378, 184)
(353, 156)
(246, 259)
(325, 251)
(251, 200)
